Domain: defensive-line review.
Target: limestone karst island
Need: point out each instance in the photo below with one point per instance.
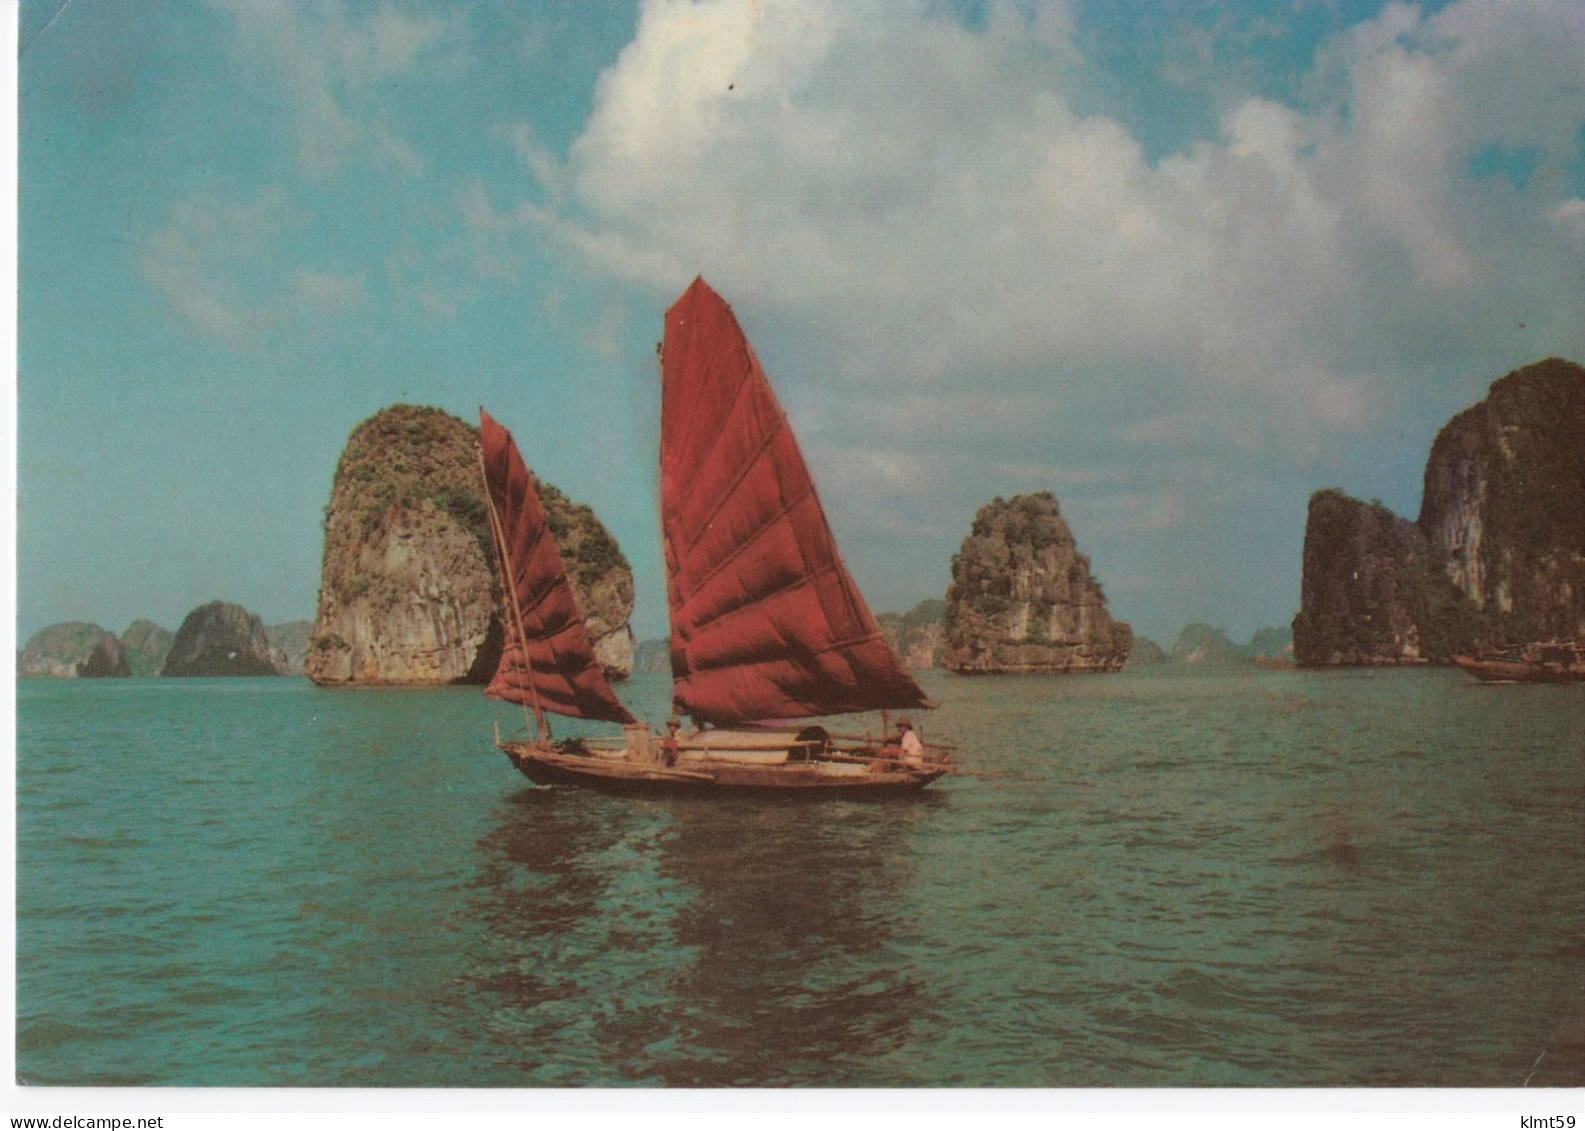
(1496, 556)
(408, 594)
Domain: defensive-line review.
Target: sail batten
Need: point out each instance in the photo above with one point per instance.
(780, 632)
(749, 543)
(548, 661)
(726, 495)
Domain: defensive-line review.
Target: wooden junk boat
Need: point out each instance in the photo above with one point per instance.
(1548, 662)
(766, 624)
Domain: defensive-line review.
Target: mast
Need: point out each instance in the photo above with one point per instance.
(503, 567)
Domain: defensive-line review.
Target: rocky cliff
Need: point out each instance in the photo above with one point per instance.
(919, 635)
(1504, 504)
(146, 645)
(61, 650)
(107, 661)
(407, 592)
(220, 639)
(1022, 597)
(1497, 555)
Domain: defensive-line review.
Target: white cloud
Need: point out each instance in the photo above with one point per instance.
(331, 60)
(219, 264)
(1571, 215)
(1137, 512)
(927, 199)
(195, 258)
(1015, 293)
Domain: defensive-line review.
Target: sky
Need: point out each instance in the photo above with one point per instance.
(1180, 264)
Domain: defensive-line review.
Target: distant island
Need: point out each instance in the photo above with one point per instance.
(1204, 645)
(221, 639)
(1496, 556)
(919, 635)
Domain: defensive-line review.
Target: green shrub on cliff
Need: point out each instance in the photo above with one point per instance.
(1024, 599)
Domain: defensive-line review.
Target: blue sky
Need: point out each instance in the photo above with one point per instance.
(1181, 264)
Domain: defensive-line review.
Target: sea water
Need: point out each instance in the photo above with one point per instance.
(1358, 878)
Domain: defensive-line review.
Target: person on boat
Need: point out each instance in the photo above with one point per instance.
(668, 745)
(913, 750)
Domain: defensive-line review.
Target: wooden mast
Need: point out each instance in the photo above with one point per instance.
(503, 564)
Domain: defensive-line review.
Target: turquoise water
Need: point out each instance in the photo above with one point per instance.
(1252, 878)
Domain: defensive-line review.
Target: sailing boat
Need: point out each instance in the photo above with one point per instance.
(767, 627)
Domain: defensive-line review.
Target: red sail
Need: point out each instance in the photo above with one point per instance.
(557, 670)
(765, 621)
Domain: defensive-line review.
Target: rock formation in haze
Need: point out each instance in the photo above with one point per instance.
(220, 639)
(59, 651)
(1022, 597)
(107, 661)
(652, 657)
(919, 635)
(407, 593)
(1145, 653)
(289, 644)
(1272, 645)
(1209, 646)
(1496, 557)
(1204, 644)
(146, 645)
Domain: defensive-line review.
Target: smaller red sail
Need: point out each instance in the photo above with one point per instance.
(548, 662)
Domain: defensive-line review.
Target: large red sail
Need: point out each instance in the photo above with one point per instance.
(548, 662)
(765, 621)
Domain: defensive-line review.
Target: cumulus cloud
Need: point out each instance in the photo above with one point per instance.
(927, 197)
(948, 220)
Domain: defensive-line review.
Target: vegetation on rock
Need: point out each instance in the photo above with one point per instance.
(1023, 598)
(408, 590)
(919, 635)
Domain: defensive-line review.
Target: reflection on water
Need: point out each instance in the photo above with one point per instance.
(1254, 878)
(696, 943)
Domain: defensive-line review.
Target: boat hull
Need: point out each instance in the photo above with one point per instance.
(701, 778)
(1521, 671)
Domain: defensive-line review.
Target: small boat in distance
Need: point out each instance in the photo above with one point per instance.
(1551, 661)
(767, 626)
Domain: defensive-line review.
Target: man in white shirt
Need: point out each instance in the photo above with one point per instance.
(913, 749)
